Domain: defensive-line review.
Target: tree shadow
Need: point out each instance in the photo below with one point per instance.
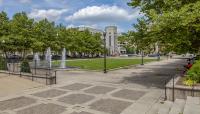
(155, 75)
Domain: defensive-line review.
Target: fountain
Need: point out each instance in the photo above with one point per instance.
(48, 57)
(37, 60)
(62, 65)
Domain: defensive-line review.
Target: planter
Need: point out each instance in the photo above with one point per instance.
(181, 91)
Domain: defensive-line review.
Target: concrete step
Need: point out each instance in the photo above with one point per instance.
(165, 108)
(177, 107)
(193, 100)
(191, 109)
(192, 105)
(154, 109)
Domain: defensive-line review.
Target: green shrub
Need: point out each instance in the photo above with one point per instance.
(25, 67)
(3, 64)
(189, 82)
(194, 72)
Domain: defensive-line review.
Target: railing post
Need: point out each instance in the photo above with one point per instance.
(46, 78)
(165, 90)
(193, 88)
(173, 90)
(9, 68)
(13, 67)
(35, 67)
(55, 77)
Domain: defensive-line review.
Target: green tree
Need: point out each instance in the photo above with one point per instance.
(4, 32)
(21, 32)
(174, 23)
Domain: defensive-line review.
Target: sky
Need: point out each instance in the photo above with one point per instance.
(74, 13)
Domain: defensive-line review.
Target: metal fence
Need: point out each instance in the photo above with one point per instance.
(42, 75)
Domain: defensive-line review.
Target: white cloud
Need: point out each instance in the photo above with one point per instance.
(70, 26)
(95, 26)
(102, 13)
(24, 1)
(50, 14)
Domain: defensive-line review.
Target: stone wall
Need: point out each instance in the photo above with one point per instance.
(180, 91)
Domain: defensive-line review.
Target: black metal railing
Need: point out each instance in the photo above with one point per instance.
(14, 68)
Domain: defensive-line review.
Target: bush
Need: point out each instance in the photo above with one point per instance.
(25, 67)
(194, 72)
(189, 82)
(3, 63)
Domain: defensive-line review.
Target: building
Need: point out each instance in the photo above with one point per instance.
(111, 38)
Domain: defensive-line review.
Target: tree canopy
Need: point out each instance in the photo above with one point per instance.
(24, 35)
(175, 24)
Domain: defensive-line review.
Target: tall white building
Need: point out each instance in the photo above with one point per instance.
(111, 40)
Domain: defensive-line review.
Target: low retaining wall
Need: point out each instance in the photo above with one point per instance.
(180, 91)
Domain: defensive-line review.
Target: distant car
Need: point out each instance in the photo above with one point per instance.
(124, 55)
(14, 58)
(153, 55)
(139, 55)
(56, 57)
(132, 55)
(29, 57)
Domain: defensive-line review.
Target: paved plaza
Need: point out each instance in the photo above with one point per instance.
(125, 91)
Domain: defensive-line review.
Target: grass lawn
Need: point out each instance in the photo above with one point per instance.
(98, 64)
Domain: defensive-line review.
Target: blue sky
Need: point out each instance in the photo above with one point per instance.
(73, 13)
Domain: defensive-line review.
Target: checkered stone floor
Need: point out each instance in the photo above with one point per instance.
(92, 98)
(50, 93)
(15, 103)
(111, 106)
(43, 109)
(129, 94)
(81, 113)
(99, 90)
(74, 99)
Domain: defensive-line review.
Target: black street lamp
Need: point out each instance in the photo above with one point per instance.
(3, 42)
(158, 55)
(105, 54)
(142, 58)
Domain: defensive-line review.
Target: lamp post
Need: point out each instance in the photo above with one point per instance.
(158, 56)
(142, 58)
(3, 42)
(105, 54)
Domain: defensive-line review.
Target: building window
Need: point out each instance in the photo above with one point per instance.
(109, 40)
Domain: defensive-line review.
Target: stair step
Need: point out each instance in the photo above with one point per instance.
(193, 100)
(154, 109)
(165, 108)
(191, 109)
(177, 107)
(192, 105)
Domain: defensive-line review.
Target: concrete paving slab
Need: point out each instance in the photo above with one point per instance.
(100, 90)
(50, 93)
(15, 103)
(76, 86)
(81, 113)
(17, 85)
(111, 106)
(76, 99)
(129, 94)
(43, 109)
